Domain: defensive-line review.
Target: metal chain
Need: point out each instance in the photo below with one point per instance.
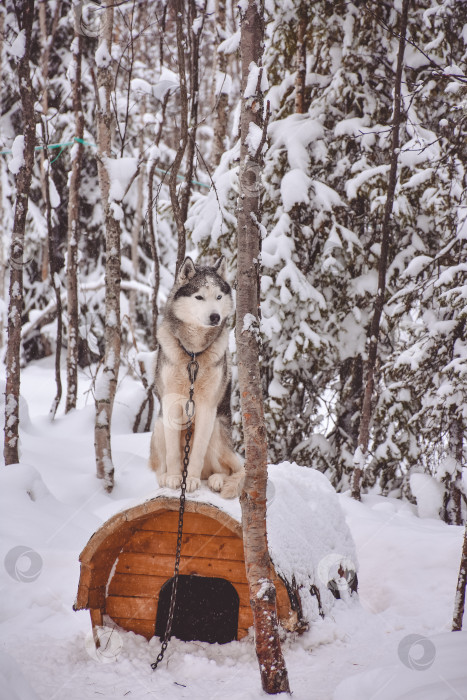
(192, 368)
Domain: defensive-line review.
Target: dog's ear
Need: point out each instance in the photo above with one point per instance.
(221, 267)
(187, 271)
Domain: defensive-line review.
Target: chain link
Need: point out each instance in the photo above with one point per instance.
(192, 368)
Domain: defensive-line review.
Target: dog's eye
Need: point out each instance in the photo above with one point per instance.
(219, 297)
(199, 297)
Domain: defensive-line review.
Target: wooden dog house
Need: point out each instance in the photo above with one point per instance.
(127, 567)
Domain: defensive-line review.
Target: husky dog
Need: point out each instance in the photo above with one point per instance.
(195, 323)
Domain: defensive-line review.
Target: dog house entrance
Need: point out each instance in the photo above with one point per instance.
(206, 609)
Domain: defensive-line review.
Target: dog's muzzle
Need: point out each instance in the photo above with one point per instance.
(214, 319)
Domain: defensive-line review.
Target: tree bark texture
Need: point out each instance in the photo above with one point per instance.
(47, 38)
(155, 254)
(74, 230)
(2, 165)
(106, 382)
(221, 100)
(365, 418)
(183, 134)
(300, 79)
(23, 184)
(459, 601)
(273, 671)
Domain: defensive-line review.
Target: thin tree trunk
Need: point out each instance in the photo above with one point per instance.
(365, 418)
(47, 38)
(273, 672)
(459, 601)
(154, 252)
(23, 184)
(138, 220)
(179, 6)
(74, 229)
(54, 280)
(300, 79)
(221, 100)
(194, 102)
(106, 382)
(3, 231)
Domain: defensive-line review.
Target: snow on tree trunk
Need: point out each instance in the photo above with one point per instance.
(73, 228)
(106, 381)
(23, 155)
(253, 499)
(365, 418)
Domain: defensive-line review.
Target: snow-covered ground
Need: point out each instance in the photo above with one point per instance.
(392, 643)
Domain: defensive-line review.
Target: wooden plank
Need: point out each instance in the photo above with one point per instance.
(140, 585)
(131, 608)
(163, 565)
(96, 617)
(245, 616)
(193, 523)
(144, 627)
(193, 545)
(96, 597)
(136, 585)
(242, 632)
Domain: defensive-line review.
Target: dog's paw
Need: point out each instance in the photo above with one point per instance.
(216, 482)
(172, 481)
(192, 483)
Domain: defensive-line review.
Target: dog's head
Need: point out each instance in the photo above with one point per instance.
(202, 295)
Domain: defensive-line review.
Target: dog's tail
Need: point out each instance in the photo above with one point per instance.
(233, 484)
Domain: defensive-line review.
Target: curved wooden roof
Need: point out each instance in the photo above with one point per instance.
(102, 550)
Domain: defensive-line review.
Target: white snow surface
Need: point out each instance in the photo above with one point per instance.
(391, 642)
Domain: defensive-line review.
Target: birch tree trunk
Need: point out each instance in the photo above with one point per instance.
(47, 38)
(273, 672)
(23, 184)
(106, 382)
(365, 418)
(73, 228)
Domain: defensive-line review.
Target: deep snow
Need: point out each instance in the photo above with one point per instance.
(391, 643)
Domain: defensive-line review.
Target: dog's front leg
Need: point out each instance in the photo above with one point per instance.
(173, 418)
(204, 425)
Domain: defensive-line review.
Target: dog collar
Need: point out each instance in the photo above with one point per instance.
(189, 353)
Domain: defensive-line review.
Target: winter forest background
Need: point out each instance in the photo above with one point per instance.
(171, 85)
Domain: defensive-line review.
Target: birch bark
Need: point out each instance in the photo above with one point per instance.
(106, 381)
(23, 184)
